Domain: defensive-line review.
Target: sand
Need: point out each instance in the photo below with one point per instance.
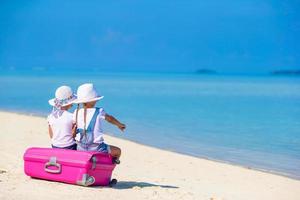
(145, 172)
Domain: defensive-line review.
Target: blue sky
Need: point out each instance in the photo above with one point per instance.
(227, 36)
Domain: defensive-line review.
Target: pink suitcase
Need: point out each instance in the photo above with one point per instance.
(69, 166)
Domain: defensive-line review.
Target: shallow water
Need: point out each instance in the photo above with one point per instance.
(247, 120)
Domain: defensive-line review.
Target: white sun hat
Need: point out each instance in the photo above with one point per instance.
(63, 96)
(87, 93)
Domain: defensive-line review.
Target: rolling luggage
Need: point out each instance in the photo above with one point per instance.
(69, 166)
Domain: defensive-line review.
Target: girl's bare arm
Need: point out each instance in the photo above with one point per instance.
(74, 129)
(113, 120)
(50, 131)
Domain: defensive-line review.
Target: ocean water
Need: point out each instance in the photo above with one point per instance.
(253, 121)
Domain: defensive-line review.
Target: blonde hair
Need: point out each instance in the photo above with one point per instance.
(84, 118)
(85, 106)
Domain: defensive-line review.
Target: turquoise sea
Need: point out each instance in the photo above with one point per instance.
(253, 121)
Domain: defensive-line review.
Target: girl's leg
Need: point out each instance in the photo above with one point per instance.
(115, 151)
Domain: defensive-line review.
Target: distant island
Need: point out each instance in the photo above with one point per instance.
(286, 72)
(205, 71)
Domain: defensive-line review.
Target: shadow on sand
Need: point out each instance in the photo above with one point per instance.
(132, 184)
(121, 185)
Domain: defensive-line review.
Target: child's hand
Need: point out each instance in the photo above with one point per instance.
(122, 126)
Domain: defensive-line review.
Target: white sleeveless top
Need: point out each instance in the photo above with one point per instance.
(62, 129)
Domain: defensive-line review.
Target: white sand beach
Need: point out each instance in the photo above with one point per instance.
(144, 173)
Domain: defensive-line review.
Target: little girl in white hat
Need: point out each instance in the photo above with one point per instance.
(60, 121)
(89, 123)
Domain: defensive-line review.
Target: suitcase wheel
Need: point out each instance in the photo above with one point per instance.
(112, 182)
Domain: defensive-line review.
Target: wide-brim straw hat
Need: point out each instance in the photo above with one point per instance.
(87, 93)
(64, 96)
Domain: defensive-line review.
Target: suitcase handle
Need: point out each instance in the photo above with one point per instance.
(52, 162)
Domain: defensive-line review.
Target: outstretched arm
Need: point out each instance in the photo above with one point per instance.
(114, 121)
